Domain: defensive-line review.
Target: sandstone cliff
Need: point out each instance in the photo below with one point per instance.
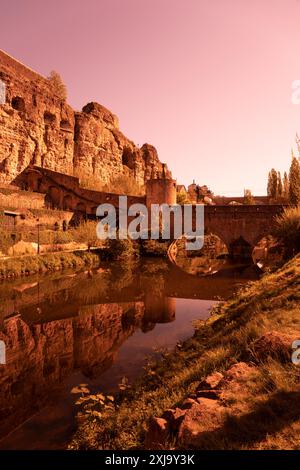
(37, 127)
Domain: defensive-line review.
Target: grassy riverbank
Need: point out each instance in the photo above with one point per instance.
(49, 262)
(261, 406)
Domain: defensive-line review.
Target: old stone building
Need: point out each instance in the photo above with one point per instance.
(38, 128)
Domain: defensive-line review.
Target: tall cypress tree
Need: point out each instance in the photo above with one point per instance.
(279, 185)
(294, 182)
(285, 183)
(269, 188)
(272, 184)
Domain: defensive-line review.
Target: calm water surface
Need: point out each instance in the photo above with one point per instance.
(90, 328)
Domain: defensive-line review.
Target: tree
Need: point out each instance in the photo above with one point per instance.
(272, 184)
(58, 85)
(279, 185)
(86, 233)
(248, 198)
(287, 230)
(182, 199)
(285, 184)
(294, 182)
(269, 188)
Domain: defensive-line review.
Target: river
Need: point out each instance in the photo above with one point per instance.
(94, 328)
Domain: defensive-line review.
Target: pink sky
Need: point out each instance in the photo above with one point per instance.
(208, 82)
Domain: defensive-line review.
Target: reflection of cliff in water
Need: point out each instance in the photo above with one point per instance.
(57, 325)
(41, 355)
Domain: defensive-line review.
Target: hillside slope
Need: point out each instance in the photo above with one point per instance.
(232, 386)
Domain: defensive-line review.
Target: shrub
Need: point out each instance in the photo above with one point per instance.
(287, 230)
(86, 233)
(58, 85)
(121, 249)
(122, 184)
(248, 198)
(88, 181)
(182, 199)
(125, 184)
(8, 239)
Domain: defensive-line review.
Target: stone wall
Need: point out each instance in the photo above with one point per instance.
(14, 198)
(37, 127)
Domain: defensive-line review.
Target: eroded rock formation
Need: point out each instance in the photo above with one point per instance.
(37, 127)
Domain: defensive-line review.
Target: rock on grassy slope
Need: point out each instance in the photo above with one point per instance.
(232, 386)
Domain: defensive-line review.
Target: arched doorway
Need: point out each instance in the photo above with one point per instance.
(52, 198)
(240, 250)
(80, 214)
(67, 203)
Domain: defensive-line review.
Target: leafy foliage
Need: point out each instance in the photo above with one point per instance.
(287, 229)
(294, 182)
(58, 85)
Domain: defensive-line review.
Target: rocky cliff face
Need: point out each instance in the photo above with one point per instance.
(37, 127)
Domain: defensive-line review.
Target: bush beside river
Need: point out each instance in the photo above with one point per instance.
(49, 262)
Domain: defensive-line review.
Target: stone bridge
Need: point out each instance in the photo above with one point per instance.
(64, 192)
(240, 227)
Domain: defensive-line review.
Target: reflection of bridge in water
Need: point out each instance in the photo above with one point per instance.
(63, 296)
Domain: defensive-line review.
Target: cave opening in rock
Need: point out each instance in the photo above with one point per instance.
(49, 118)
(18, 103)
(128, 158)
(65, 125)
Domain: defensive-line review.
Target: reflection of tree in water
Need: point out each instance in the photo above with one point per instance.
(159, 266)
(94, 287)
(122, 276)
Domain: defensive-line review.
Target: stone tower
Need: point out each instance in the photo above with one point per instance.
(160, 190)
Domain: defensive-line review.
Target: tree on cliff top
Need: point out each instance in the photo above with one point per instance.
(58, 85)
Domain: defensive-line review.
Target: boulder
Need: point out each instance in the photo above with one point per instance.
(210, 382)
(174, 418)
(204, 416)
(272, 344)
(236, 372)
(157, 434)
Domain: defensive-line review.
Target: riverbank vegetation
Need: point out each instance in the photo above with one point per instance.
(49, 262)
(90, 254)
(287, 230)
(248, 342)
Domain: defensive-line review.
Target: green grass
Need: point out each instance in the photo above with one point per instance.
(269, 397)
(25, 265)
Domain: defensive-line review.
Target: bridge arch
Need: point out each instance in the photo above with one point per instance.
(67, 202)
(212, 250)
(53, 197)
